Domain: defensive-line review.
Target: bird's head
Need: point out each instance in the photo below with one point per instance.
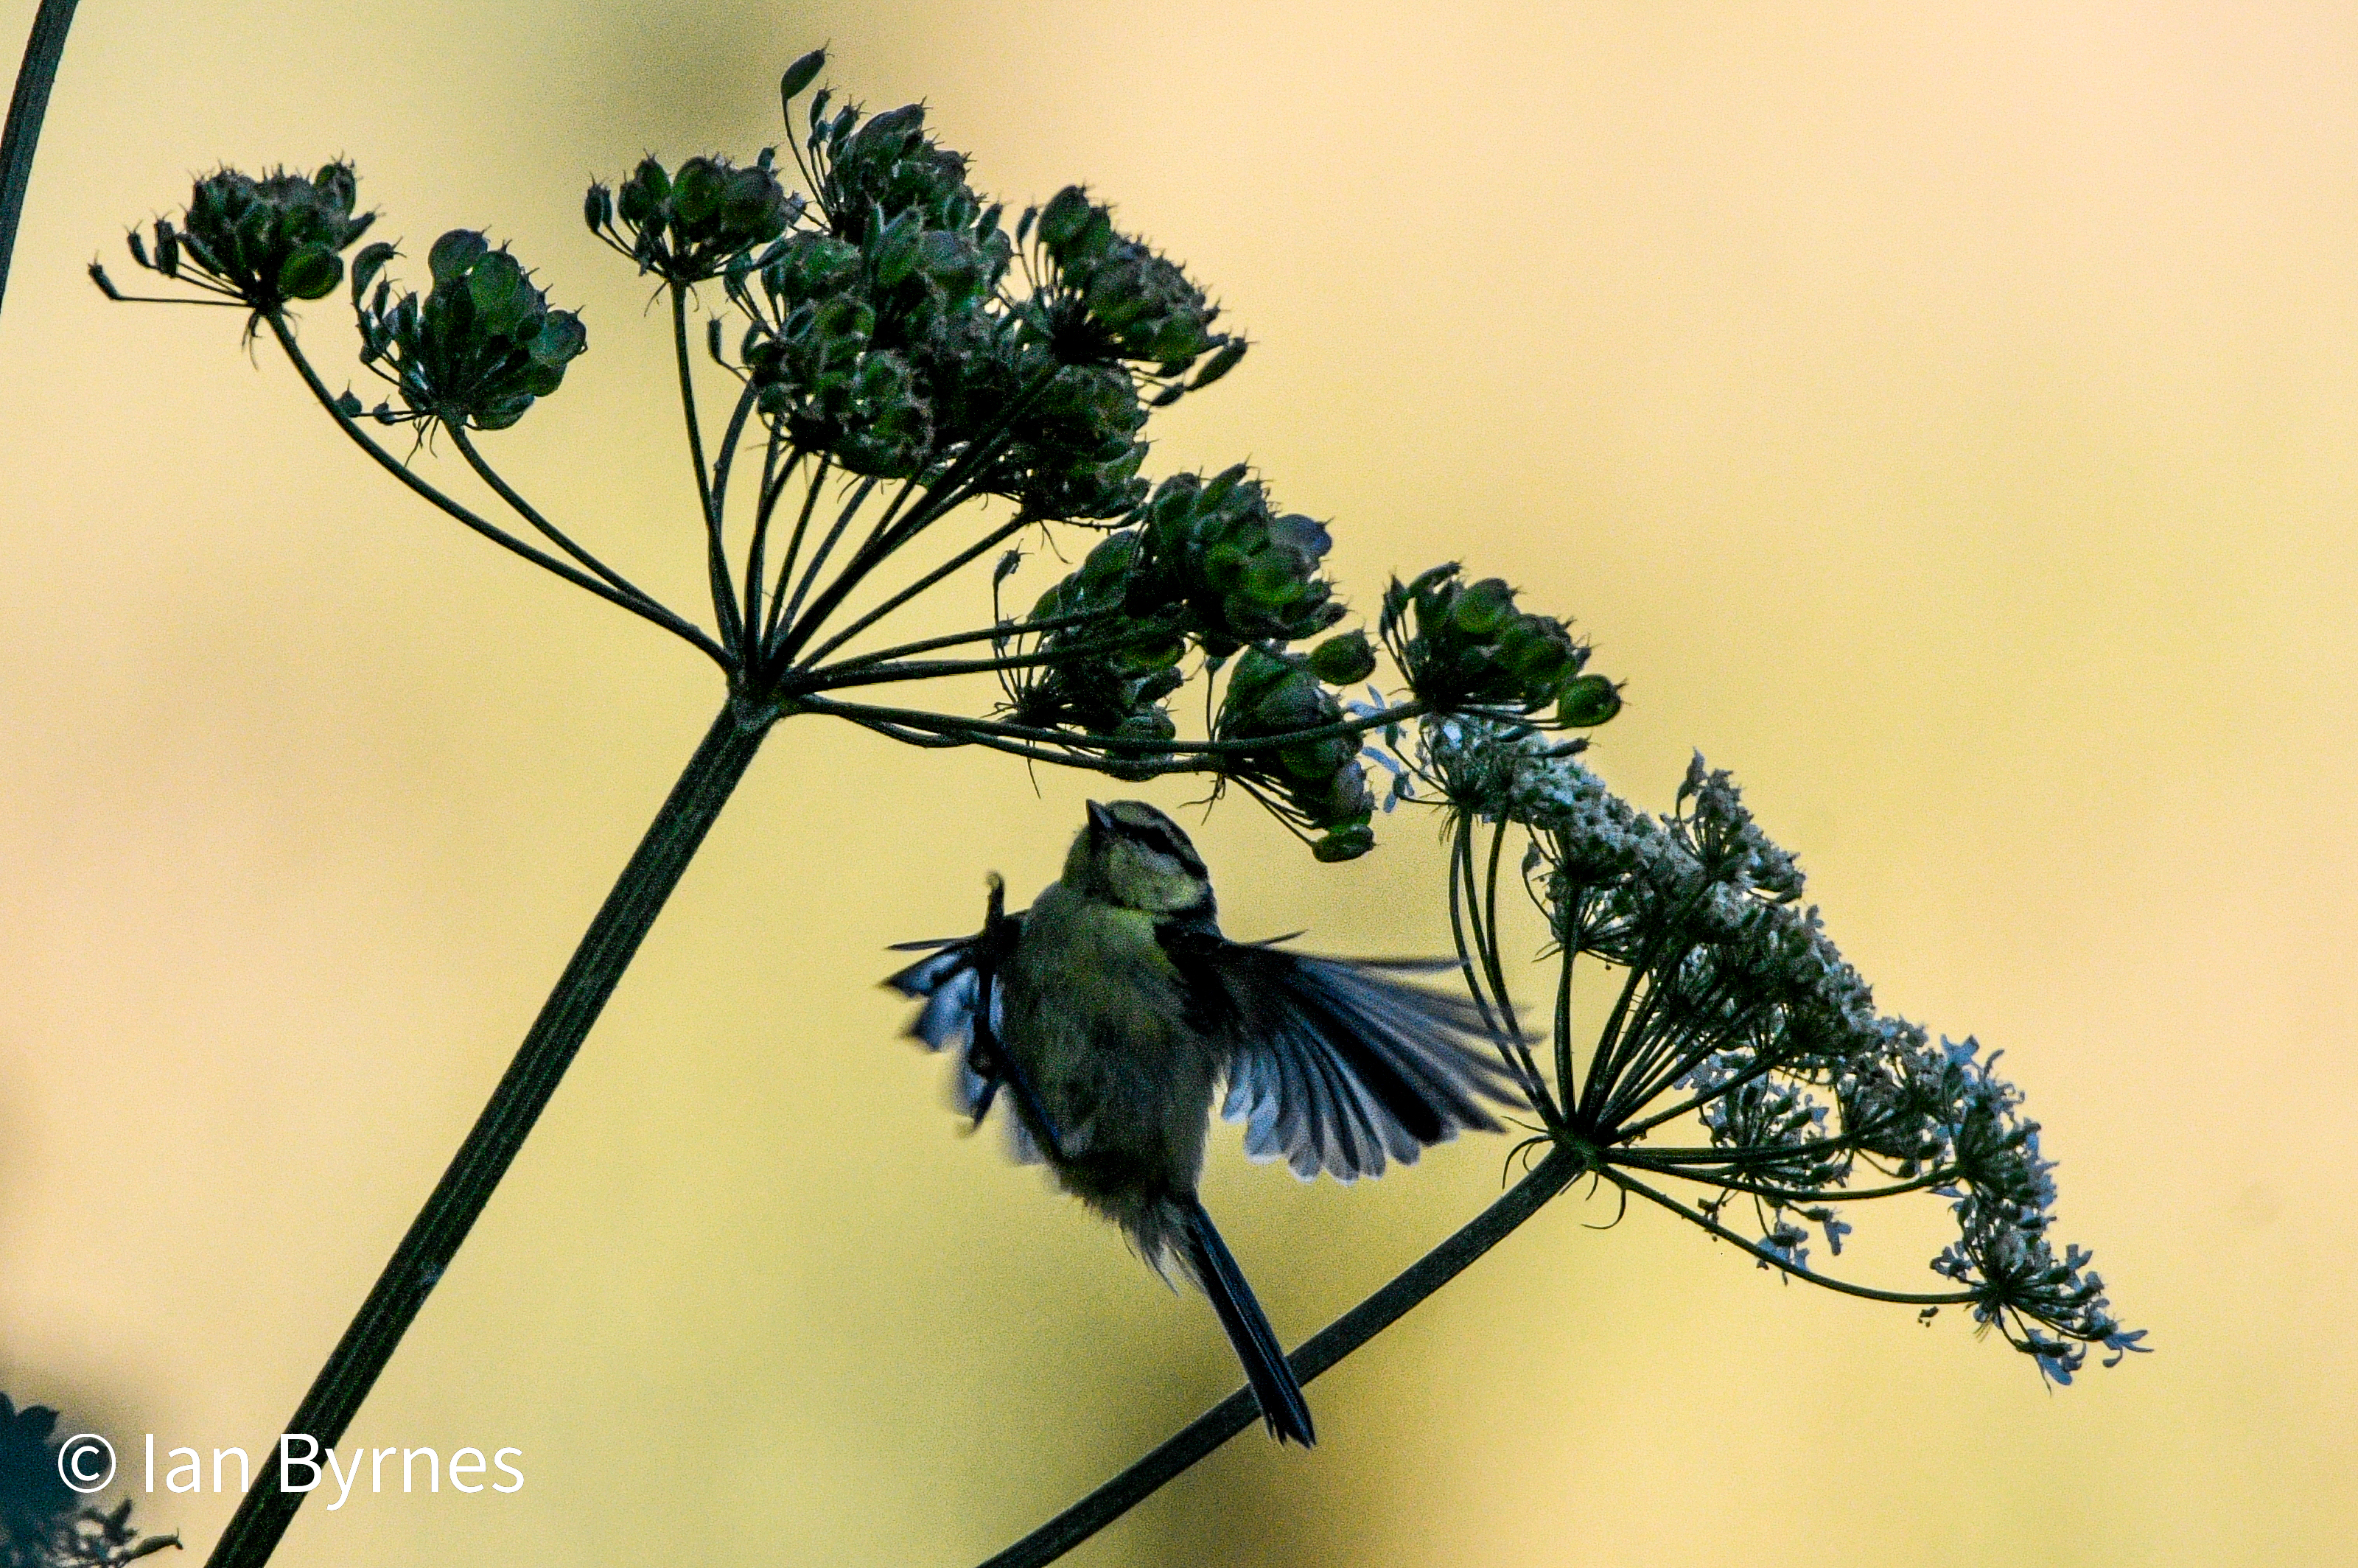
(1132, 856)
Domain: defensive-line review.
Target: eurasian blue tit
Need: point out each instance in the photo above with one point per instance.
(1113, 1010)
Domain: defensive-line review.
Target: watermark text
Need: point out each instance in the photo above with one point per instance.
(86, 1463)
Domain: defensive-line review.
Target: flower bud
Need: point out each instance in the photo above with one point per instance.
(801, 74)
(312, 271)
(1483, 606)
(1345, 843)
(1343, 660)
(1588, 701)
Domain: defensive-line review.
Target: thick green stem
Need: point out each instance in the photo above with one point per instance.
(1329, 1345)
(466, 1187)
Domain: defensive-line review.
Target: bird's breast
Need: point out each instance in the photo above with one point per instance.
(1095, 1018)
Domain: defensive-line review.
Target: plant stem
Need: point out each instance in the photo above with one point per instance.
(26, 108)
(1330, 1345)
(646, 608)
(1777, 1260)
(1120, 745)
(466, 1187)
(724, 595)
(549, 530)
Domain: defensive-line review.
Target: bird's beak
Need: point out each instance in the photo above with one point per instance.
(1100, 820)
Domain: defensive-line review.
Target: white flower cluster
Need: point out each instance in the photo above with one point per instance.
(1738, 1010)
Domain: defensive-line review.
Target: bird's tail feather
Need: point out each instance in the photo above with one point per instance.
(1274, 1382)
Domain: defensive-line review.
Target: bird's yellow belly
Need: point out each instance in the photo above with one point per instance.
(1096, 1020)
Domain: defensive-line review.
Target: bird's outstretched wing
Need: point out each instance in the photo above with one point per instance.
(1338, 1065)
(951, 980)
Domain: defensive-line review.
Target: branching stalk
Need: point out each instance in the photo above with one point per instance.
(765, 506)
(784, 651)
(548, 530)
(1005, 629)
(811, 490)
(964, 557)
(835, 676)
(491, 531)
(1124, 745)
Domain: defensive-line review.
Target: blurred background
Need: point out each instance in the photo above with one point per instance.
(1944, 421)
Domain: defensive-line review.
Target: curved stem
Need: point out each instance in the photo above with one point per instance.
(1541, 1101)
(1865, 1293)
(943, 494)
(945, 736)
(1568, 954)
(1474, 977)
(917, 718)
(532, 1078)
(1325, 1348)
(1002, 630)
(727, 457)
(833, 677)
(798, 626)
(1665, 1056)
(1742, 1153)
(1613, 1043)
(811, 488)
(724, 597)
(1759, 1068)
(997, 535)
(558, 537)
(26, 108)
(766, 505)
(1784, 1194)
(491, 531)
(783, 639)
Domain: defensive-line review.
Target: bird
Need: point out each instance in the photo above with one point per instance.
(1113, 1010)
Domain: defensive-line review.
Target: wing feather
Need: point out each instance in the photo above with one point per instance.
(949, 983)
(1338, 1065)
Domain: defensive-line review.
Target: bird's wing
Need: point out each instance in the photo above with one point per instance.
(1337, 1064)
(950, 981)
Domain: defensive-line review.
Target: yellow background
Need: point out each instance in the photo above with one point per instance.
(1944, 421)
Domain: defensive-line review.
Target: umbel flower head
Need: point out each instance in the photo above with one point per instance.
(1241, 572)
(880, 333)
(479, 348)
(1106, 298)
(260, 242)
(1465, 645)
(688, 227)
(1318, 783)
(1737, 1017)
(1208, 565)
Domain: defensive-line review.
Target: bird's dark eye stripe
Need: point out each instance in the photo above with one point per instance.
(1154, 837)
